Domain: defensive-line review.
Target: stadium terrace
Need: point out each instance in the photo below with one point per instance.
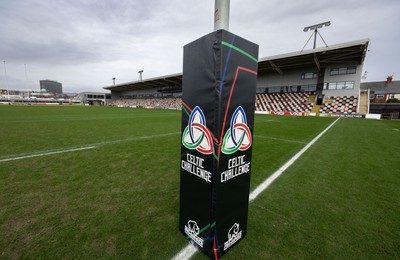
(323, 81)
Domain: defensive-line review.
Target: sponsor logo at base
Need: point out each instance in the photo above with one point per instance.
(234, 234)
(192, 230)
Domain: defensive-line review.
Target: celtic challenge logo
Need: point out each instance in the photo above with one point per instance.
(196, 135)
(238, 136)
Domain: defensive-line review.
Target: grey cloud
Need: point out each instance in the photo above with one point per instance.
(86, 43)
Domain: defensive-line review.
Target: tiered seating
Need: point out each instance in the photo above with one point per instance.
(339, 105)
(261, 102)
(283, 102)
(160, 103)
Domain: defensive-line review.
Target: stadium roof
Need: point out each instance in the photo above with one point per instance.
(343, 54)
(158, 82)
(340, 54)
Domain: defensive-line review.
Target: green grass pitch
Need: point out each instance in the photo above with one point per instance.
(115, 194)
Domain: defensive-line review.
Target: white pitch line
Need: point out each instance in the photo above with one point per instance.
(48, 153)
(136, 138)
(78, 119)
(86, 147)
(280, 139)
(188, 251)
(260, 188)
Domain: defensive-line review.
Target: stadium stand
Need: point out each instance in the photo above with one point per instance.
(322, 81)
(274, 103)
(339, 105)
(284, 102)
(16, 100)
(158, 103)
(304, 103)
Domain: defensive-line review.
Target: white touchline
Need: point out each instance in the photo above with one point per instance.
(190, 250)
(260, 188)
(186, 252)
(48, 153)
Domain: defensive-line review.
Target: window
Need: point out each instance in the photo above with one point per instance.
(309, 75)
(291, 89)
(348, 85)
(341, 85)
(343, 70)
(260, 90)
(351, 70)
(274, 90)
(308, 88)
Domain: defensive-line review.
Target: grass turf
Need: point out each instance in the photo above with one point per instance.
(120, 199)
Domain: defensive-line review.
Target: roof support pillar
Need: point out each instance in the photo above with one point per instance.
(273, 65)
(317, 62)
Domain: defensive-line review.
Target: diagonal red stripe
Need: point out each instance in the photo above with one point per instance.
(239, 68)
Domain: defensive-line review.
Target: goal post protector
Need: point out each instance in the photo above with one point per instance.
(218, 103)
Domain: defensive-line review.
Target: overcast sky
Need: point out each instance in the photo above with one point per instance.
(85, 43)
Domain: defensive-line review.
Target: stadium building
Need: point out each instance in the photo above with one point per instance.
(50, 86)
(323, 81)
(384, 97)
(94, 98)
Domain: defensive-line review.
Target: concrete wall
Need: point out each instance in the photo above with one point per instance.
(144, 92)
(289, 78)
(337, 78)
(293, 78)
